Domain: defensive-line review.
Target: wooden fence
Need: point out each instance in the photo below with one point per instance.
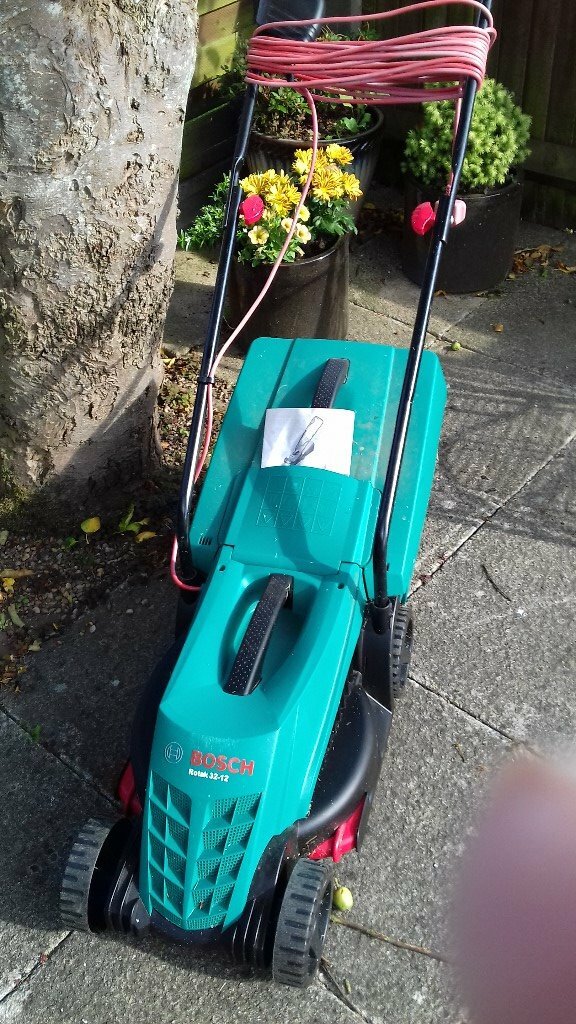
(534, 56)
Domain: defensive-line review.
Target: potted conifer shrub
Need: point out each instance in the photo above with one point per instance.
(309, 295)
(480, 250)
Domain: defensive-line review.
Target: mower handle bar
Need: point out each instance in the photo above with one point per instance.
(440, 234)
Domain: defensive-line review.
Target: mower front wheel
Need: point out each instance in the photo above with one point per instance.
(303, 923)
(81, 878)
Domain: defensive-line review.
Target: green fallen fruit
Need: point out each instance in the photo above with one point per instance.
(342, 899)
(455, 346)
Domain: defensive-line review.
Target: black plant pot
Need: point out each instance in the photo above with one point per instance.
(307, 299)
(480, 251)
(268, 151)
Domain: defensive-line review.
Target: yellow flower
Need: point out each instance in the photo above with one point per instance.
(301, 169)
(351, 186)
(302, 234)
(282, 195)
(304, 214)
(255, 184)
(339, 154)
(286, 223)
(327, 183)
(303, 159)
(258, 235)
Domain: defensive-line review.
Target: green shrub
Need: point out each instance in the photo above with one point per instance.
(498, 141)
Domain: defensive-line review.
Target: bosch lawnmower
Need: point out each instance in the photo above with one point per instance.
(258, 741)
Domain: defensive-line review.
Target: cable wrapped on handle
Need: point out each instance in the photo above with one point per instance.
(380, 71)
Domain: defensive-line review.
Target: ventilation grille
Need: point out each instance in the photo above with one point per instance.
(225, 839)
(168, 837)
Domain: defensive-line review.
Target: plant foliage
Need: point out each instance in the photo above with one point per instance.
(267, 213)
(498, 141)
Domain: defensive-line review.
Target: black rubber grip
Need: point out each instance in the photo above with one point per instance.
(291, 10)
(334, 374)
(246, 670)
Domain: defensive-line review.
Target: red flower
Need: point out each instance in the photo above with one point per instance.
(252, 209)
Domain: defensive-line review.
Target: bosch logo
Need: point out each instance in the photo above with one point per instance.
(173, 753)
(233, 765)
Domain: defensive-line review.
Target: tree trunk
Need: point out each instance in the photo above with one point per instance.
(92, 100)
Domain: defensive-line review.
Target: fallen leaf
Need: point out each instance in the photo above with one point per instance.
(91, 525)
(8, 583)
(14, 616)
(498, 328)
(3, 537)
(144, 535)
(126, 520)
(15, 574)
(35, 646)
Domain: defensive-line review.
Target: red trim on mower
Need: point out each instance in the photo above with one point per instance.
(342, 840)
(127, 794)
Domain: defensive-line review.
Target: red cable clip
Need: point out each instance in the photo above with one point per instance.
(423, 217)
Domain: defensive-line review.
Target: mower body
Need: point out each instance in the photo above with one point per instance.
(228, 775)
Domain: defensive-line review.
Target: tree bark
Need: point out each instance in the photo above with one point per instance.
(92, 101)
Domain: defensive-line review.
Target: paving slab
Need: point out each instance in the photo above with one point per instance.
(437, 766)
(496, 624)
(546, 507)
(187, 319)
(42, 804)
(83, 690)
(538, 317)
(501, 426)
(106, 981)
(381, 329)
(388, 985)
(378, 283)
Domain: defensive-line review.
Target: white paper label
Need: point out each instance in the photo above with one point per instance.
(318, 438)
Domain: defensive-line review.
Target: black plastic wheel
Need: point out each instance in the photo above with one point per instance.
(303, 923)
(82, 882)
(401, 650)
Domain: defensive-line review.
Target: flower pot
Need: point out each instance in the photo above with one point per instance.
(480, 251)
(267, 151)
(307, 299)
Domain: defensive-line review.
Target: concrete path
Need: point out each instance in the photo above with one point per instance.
(495, 598)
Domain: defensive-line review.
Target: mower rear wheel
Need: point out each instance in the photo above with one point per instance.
(401, 649)
(82, 893)
(303, 923)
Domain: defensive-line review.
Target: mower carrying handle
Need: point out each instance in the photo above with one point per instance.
(291, 10)
(247, 667)
(334, 374)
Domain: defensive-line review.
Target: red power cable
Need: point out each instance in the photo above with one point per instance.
(385, 71)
